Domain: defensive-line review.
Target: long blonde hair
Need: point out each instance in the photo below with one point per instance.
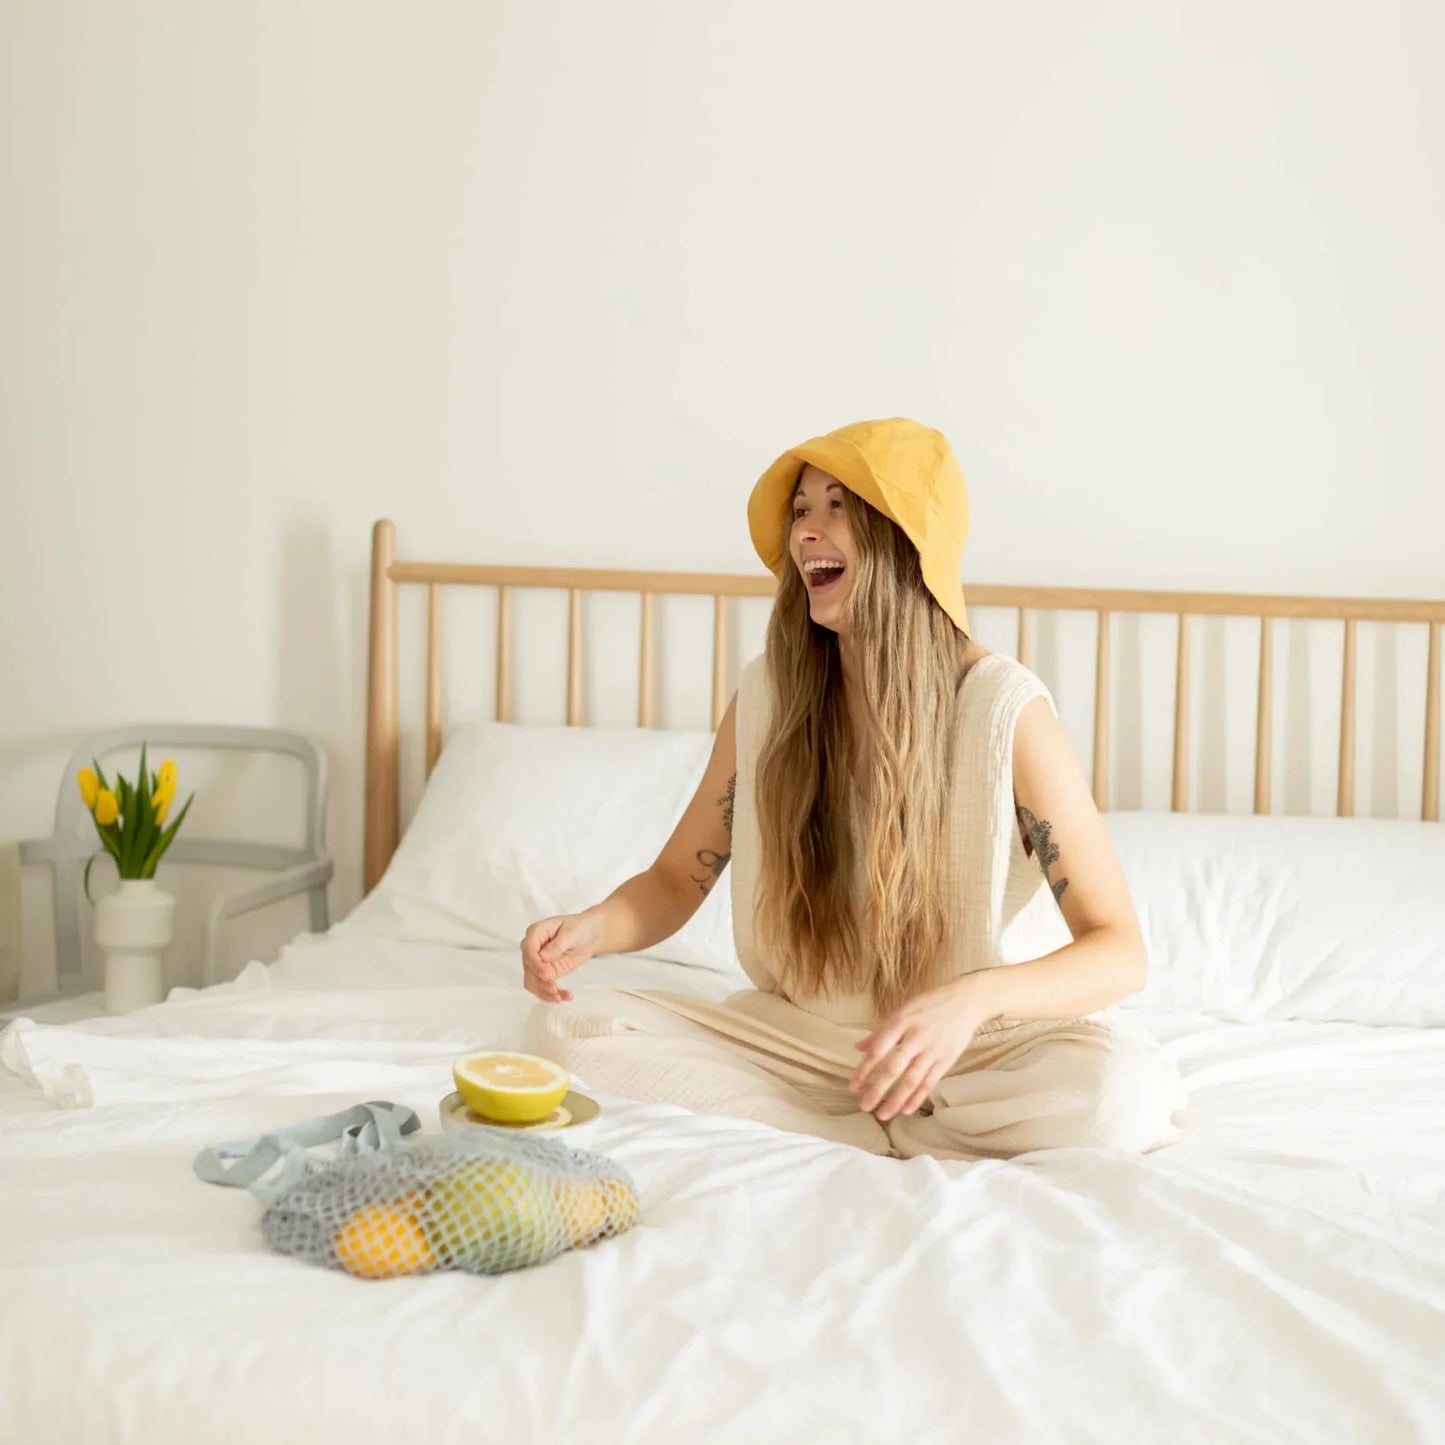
(898, 776)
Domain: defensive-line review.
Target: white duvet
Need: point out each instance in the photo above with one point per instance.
(1277, 1276)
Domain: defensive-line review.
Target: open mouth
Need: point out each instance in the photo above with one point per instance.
(824, 577)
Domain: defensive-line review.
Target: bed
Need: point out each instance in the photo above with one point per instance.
(1278, 1275)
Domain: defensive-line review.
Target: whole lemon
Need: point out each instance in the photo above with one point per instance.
(381, 1241)
(594, 1208)
(490, 1215)
(583, 1207)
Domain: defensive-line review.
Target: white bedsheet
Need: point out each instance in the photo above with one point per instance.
(1277, 1276)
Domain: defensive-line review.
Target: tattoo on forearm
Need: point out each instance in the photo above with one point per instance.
(726, 803)
(1040, 832)
(714, 863)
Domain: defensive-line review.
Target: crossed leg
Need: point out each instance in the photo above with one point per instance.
(1021, 1085)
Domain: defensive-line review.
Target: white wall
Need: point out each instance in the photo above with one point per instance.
(553, 282)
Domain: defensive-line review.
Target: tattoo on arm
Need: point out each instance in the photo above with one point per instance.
(713, 864)
(1040, 832)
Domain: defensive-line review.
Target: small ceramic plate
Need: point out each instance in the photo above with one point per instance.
(572, 1115)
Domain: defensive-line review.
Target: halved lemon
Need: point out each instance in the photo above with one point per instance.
(513, 1088)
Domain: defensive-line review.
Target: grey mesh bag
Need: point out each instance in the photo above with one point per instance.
(486, 1200)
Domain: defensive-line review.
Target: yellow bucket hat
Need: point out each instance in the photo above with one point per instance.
(906, 470)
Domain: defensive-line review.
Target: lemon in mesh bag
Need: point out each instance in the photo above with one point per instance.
(485, 1201)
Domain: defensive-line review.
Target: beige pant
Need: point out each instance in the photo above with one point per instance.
(1020, 1084)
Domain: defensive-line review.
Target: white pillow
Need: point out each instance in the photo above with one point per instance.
(519, 822)
(1264, 918)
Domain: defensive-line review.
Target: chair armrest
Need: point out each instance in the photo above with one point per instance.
(287, 884)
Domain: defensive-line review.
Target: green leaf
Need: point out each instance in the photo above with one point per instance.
(131, 821)
(145, 831)
(146, 838)
(122, 829)
(145, 818)
(109, 835)
(88, 864)
(99, 772)
(164, 841)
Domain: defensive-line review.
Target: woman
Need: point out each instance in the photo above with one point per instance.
(924, 896)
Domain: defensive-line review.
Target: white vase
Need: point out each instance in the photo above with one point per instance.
(133, 927)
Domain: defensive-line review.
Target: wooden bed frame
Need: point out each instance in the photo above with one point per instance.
(383, 740)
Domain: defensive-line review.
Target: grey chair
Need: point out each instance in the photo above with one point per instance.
(297, 870)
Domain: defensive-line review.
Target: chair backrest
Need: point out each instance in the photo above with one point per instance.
(72, 842)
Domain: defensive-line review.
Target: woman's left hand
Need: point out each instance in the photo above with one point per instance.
(914, 1047)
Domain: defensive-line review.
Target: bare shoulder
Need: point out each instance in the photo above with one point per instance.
(753, 669)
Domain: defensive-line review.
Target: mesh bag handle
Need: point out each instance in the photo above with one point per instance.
(374, 1127)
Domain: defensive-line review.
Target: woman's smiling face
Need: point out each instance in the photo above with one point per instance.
(821, 544)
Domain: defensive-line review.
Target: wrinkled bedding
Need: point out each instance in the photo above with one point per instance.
(1279, 1275)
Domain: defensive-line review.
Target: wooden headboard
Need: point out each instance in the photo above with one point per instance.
(383, 739)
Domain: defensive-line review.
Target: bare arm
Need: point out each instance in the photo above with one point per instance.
(1063, 830)
(654, 904)
(651, 905)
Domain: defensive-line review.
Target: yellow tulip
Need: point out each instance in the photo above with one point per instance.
(163, 807)
(166, 778)
(106, 809)
(89, 786)
(164, 792)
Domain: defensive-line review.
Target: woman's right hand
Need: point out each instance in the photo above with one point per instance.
(553, 947)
